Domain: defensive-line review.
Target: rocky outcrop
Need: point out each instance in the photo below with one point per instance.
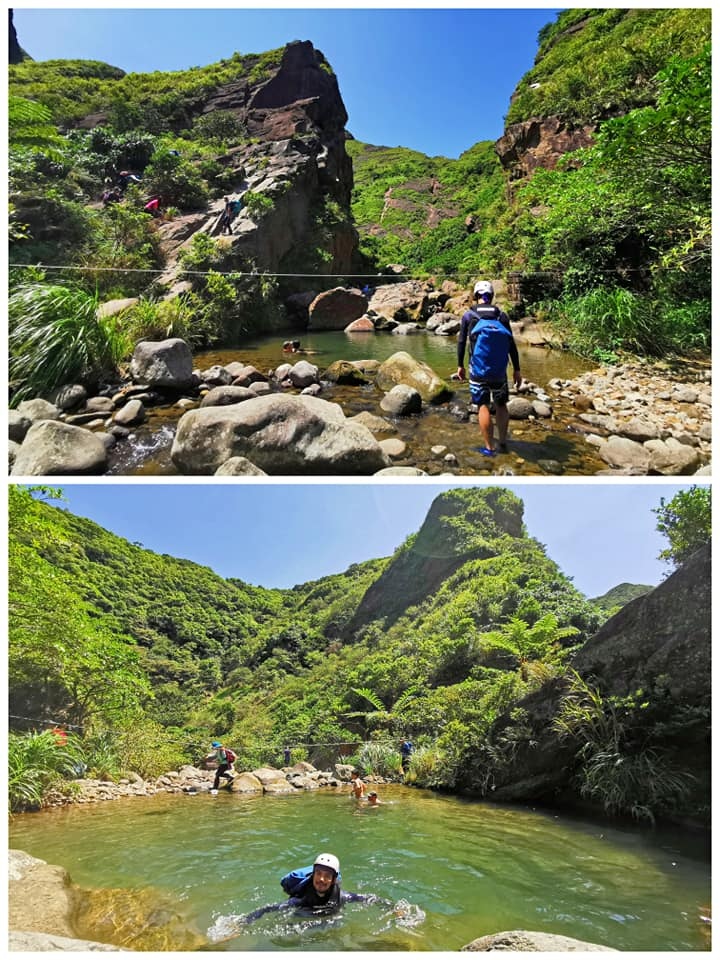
(658, 644)
(16, 54)
(539, 142)
(438, 550)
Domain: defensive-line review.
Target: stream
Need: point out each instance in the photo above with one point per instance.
(540, 447)
(455, 869)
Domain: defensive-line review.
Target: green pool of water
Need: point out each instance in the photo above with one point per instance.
(472, 868)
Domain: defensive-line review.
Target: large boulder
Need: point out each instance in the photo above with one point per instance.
(531, 941)
(280, 434)
(40, 896)
(52, 448)
(38, 409)
(402, 368)
(335, 309)
(163, 363)
(401, 301)
(345, 372)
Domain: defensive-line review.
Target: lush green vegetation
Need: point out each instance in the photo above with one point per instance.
(618, 596)
(686, 521)
(114, 639)
(624, 226)
(423, 224)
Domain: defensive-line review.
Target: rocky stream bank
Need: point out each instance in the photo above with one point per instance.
(234, 419)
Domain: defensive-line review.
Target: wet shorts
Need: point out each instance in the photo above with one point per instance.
(483, 391)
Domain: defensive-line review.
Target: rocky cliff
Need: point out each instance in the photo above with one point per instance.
(455, 530)
(291, 153)
(655, 650)
(16, 54)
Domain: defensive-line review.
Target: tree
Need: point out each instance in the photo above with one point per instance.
(686, 522)
(524, 643)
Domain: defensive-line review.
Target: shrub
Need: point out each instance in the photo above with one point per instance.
(381, 759)
(175, 179)
(36, 761)
(56, 337)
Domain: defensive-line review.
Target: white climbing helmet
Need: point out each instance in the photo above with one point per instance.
(483, 286)
(327, 860)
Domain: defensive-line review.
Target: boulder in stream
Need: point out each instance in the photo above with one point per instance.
(402, 368)
(52, 448)
(163, 363)
(280, 434)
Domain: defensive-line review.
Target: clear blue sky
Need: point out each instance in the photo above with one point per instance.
(434, 80)
(279, 534)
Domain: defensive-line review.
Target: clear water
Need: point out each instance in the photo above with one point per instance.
(545, 447)
(459, 869)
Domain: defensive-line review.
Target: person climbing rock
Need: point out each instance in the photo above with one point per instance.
(491, 345)
(225, 759)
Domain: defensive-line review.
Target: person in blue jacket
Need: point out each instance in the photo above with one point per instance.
(319, 893)
(488, 368)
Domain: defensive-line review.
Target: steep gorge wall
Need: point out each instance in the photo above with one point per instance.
(659, 644)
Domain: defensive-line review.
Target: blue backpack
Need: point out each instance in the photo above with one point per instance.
(295, 882)
(490, 345)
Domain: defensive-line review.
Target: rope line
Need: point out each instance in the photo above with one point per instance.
(274, 746)
(269, 273)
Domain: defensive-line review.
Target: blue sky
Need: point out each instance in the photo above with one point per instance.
(434, 80)
(280, 534)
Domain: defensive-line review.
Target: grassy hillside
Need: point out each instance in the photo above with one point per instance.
(412, 209)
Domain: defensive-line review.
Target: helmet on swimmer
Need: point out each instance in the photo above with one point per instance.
(327, 860)
(484, 288)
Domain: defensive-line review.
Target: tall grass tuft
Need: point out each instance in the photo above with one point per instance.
(56, 337)
(35, 762)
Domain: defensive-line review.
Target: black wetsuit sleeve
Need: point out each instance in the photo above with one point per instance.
(364, 898)
(462, 338)
(261, 911)
(514, 356)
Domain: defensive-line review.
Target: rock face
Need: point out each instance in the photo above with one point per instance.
(539, 142)
(295, 119)
(658, 643)
(16, 54)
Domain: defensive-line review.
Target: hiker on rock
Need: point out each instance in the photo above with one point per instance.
(153, 207)
(225, 759)
(316, 890)
(488, 329)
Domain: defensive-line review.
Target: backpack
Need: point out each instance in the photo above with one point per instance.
(235, 206)
(295, 882)
(489, 345)
(230, 755)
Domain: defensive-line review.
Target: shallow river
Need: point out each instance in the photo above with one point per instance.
(544, 447)
(456, 869)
